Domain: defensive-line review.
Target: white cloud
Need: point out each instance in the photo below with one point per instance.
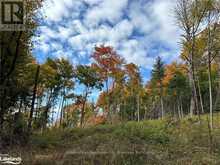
(64, 32)
(48, 33)
(56, 46)
(44, 47)
(163, 13)
(133, 52)
(141, 17)
(138, 29)
(121, 31)
(92, 2)
(106, 10)
(56, 10)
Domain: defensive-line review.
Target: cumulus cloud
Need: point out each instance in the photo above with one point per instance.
(138, 29)
(57, 10)
(106, 10)
(163, 13)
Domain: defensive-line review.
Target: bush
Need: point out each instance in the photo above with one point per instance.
(142, 131)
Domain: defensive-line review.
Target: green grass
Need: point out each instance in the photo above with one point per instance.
(159, 142)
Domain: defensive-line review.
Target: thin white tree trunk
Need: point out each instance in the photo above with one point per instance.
(209, 73)
(161, 101)
(138, 107)
(192, 101)
(200, 95)
(179, 109)
(162, 107)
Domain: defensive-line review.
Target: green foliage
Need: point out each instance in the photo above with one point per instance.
(178, 85)
(158, 71)
(168, 141)
(125, 98)
(16, 77)
(47, 140)
(154, 134)
(88, 76)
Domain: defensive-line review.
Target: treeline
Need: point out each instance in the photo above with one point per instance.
(16, 79)
(34, 97)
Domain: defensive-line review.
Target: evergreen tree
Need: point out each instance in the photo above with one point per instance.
(157, 78)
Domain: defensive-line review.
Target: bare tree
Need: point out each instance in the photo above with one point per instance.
(190, 15)
(212, 20)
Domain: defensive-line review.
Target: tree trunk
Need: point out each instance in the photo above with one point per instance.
(138, 107)
(108, 101)
(61, 108)
(192, 107)
(210, 95)
(145, 112)
(6, 75)
(174, 111)
(200, 96)
(179, 108)
(161, 101)
(195, 95)
(217, 99)
(83, 108)
(48, 106)
(33, 98)
(210, 72)
(194, 98)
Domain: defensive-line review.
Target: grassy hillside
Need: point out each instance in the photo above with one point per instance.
(149, 142)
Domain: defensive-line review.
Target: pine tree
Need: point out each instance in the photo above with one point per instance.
(157, 78)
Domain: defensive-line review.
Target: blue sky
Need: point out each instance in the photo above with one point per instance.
(139, 30)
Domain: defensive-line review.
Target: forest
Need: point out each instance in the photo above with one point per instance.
(43, 111)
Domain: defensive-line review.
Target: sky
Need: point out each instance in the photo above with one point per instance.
(139, 30)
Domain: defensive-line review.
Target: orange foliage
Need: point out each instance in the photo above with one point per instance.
(106, 59)
(72, 108)
(148, 88)
(131, 69)
(96, 120)
(102, 100)
(170, 71)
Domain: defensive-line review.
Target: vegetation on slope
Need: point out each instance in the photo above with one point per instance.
(149, 142)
